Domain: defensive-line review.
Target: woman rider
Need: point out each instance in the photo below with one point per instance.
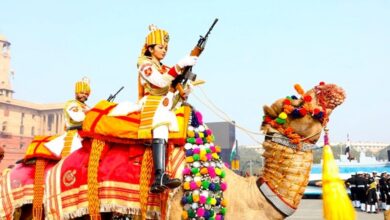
(156, 98)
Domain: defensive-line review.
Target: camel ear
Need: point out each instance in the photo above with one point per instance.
(269, 111)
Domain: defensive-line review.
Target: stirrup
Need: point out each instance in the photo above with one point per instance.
(158, 185)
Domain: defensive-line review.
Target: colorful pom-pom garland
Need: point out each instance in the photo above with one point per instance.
(303, 109)
(203, 174)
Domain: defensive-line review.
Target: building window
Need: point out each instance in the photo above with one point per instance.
(32, 131)
(50, 120)
(6, 112)
(21, 129)
(4, 126)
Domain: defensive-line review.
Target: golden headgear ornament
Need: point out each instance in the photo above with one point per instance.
(83, 86)
(156, 36)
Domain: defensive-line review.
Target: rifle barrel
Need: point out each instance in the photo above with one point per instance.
(211, 28)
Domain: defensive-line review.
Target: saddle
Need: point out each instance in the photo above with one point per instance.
(130, 128)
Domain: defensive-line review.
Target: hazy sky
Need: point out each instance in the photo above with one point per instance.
(255, 54)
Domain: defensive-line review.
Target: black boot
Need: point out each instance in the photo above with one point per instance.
(161, 179)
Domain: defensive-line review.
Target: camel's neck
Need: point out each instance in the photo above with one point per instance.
(286, 175)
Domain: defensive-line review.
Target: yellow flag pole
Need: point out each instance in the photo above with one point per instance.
(336, 203)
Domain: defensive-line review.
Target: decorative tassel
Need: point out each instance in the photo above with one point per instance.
(299, 89)
(336, 203)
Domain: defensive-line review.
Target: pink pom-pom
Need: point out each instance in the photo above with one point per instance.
(193, 185)
(200, 212)
(223, 186)
(186, 171)
(202, 199)
(209, 157)
(199, 117)
(213, 149)
(209, 132)
(218, 217)
(211, 172)
(198, 141)
(196, 150)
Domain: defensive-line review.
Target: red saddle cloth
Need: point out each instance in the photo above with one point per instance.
(17, 184)
(118, 178)
(17, 187)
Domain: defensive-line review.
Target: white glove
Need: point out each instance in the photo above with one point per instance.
(187, 61)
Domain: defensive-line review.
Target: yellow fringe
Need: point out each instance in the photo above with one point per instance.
(336, 203)
(93, 184)
(68, 142)
(39, 186)
(146, 174)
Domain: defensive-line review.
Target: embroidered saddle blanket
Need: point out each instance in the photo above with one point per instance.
(135, 127)
(118, 180)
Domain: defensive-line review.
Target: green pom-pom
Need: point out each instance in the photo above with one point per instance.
(189, 199)
(195, 170)
(223, 211)
(205, 184)
(208, 201)
(191, 140)
(212, 213)
(223, 174)
(196, 157)
(211, 218)
(208, 150)
(191, 213)
(280, 121)
(217, 187)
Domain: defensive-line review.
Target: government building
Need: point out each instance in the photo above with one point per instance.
(21, 120)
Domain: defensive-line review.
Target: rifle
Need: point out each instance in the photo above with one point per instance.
(180, 81)
(112, 97)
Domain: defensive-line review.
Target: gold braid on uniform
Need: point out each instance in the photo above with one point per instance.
(93, 184)
(39, 187)
(146, 174)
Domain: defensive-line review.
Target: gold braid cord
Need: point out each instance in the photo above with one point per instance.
(39, 181)
(93, 184)
(146, 174)
(286, 171)
(68, 142)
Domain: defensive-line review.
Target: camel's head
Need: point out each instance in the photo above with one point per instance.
(302, 118)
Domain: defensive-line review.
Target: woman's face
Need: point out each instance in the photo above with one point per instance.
(159, 51)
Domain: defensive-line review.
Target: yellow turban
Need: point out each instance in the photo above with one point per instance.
(83, 86)
(156, 36)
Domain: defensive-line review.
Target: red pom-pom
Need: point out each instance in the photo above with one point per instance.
(302, 111)
(322, 83)
(267, 119)
(316, 111)
(287, 102)
(307, 98)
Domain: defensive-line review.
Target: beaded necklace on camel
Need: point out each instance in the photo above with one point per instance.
(297, 111)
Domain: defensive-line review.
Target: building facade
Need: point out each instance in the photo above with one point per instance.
(225, 136)
(20, 120)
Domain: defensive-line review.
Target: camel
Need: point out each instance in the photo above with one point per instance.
(277, 193)
(290, 136)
